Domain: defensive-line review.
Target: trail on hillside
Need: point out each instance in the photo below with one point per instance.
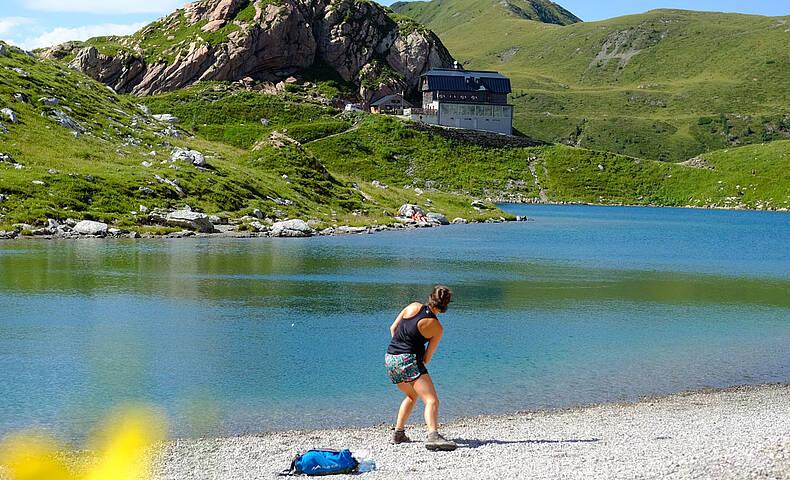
(351, 129)
(532, 168)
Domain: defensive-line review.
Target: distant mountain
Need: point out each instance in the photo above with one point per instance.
(226, 40)
(666, 84)
(443, 15)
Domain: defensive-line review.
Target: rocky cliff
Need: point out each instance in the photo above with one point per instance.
(268, 40)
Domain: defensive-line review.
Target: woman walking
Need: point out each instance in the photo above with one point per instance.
(406, 357)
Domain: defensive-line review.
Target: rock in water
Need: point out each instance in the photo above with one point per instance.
(189, 219)
(89, 227)
(191, 156)
(291, 228)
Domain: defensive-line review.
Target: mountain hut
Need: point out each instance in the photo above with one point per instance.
(472, 99)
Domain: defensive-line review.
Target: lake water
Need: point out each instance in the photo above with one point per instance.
(583, 304)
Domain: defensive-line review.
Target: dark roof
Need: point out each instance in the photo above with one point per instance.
(467, 80)
(387, 98)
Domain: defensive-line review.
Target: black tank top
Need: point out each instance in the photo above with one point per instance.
(407, 338)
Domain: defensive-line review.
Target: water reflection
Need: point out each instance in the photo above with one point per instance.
(581, 305)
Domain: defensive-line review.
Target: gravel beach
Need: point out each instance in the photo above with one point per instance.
(737, 433)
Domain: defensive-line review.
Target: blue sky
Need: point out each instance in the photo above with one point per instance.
(36, 23)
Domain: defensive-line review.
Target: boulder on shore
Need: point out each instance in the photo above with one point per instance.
(347, 230)
(259, 227)
(459, 221)
(291, 228)
(408, 210)
(435, 217)
(89, 227)
(188, 219)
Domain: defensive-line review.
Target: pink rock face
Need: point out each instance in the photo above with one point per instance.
(282, 39)
(226, 10)
(213, 26)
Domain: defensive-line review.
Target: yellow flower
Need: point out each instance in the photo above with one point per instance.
(120, 450)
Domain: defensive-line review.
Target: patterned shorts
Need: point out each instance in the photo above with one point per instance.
(404, 367)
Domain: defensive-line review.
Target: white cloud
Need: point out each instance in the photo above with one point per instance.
(60, 34)
(106, 6)
(8, 24)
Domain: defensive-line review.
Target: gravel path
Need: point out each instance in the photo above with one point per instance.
(735, 433)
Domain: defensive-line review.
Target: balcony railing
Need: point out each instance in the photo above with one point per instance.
(421, 111)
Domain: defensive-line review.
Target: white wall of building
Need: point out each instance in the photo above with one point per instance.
(491, 118)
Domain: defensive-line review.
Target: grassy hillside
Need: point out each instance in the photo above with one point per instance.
(99, 173)
(309, 161)
(665, 85)
(386, 150)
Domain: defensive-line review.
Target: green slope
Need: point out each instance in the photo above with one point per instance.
(667, 84)
(384, 149)
(99, 174)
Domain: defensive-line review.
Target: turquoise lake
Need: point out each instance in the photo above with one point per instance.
(584, 304)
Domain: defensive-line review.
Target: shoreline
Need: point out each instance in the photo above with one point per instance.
(735, 432)
(227, 231)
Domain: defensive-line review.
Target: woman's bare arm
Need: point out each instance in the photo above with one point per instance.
(431, 329)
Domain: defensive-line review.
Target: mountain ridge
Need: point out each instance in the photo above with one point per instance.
(455, 13)
(267, 40)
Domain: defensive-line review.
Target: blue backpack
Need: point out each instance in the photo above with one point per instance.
(323, 461)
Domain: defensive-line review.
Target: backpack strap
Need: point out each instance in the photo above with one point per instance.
(291, 471)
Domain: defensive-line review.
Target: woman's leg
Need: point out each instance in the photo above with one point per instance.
(407, 404)
(423, 386)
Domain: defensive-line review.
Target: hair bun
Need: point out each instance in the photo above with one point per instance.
(440, 297)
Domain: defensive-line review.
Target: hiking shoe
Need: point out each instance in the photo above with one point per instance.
(438, 442)
(400, 437)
